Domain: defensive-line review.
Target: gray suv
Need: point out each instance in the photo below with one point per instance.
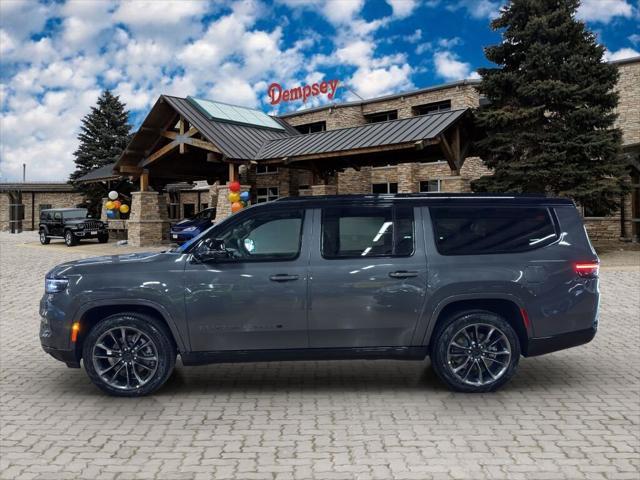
(473, 282)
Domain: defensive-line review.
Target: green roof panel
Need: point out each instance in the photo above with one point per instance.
(234, 113)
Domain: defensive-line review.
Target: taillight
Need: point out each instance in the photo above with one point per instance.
(587, 269)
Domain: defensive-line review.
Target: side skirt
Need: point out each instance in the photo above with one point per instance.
(369, 353)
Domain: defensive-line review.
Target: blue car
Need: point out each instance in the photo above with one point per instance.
(186, 229)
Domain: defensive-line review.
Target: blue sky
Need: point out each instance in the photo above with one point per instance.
(56, 57)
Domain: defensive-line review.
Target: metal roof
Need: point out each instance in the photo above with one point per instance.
(234, 140)
(37, 187)
(101, 173)
(392, 132)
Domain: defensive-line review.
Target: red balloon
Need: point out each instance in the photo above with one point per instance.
(234, 186)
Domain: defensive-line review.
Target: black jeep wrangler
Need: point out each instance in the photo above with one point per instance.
(72, 224)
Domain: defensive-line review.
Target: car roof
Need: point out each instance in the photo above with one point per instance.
(62, 209)
(440, 199)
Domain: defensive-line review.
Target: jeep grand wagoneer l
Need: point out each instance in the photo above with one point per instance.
(474, 282)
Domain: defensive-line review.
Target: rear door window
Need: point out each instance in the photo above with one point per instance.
(487, 230)
(352, 232)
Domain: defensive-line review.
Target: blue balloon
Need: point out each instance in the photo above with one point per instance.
(111, 214)
(244, 196)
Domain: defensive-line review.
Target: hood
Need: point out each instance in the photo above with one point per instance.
(126, 262)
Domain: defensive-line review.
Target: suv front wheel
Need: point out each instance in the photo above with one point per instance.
(70, 239)
(129, 354)
(475, 351)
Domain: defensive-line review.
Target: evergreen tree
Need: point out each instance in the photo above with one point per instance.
(549, 125)
(104, 135)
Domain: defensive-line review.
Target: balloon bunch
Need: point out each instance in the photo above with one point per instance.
(114, 205)
(238, 200)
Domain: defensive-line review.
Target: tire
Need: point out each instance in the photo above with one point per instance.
(44, 240)
(103, 238)
(465, 366)
(70, 239)
(130, 379)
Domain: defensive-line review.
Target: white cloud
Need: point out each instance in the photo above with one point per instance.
(478, 9)
(634, 38)
(449, 67)
(621, 54)
(402, 8)
(370, 83)
(415, 37)
(604, 11)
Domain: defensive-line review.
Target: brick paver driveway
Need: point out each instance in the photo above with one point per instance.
(572, 414)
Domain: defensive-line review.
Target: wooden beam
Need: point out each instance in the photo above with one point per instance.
(196, 142)
(130, 169)
(233, 172)
(449, 154)
(144, 181)
(170, 134)
(158, 154)
(181, 125)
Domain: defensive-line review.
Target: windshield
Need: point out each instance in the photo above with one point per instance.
(79, 213)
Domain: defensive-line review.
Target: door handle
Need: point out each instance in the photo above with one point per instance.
(403, 274)
(283, 277)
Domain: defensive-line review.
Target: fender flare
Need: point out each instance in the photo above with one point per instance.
(124, 302)
(462, 297)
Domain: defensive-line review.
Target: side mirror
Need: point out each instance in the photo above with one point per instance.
(212, 250)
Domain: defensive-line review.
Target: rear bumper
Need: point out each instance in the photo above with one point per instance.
(540, 346)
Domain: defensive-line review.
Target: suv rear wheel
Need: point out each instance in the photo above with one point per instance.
(475, 351)
(129, 355)
(44, 240)
(70, 239)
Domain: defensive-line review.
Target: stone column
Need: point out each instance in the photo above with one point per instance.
(406, 178)
(148, 223)
(223, 205)
(103, 210)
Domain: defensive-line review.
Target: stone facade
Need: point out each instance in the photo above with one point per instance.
(33, 201)
(148, 223)
(629, 103)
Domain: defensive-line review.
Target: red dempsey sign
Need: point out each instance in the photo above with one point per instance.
(277, 94)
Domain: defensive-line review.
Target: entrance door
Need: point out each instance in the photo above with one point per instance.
(368, 276)
(255, 297)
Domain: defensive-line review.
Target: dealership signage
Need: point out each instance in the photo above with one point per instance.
(278, 94)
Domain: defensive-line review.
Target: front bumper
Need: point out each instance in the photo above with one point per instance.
(181, 237)
(67, 356)
(540, 346)
(90, 233)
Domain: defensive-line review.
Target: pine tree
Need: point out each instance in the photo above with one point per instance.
(549, 125)
(103, 136)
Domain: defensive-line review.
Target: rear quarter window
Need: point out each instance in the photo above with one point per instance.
(489, 230)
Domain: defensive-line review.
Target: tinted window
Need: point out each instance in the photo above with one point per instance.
(482, 230)
(367, 232)
(77, 214)
(265, 236)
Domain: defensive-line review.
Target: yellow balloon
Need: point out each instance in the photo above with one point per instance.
(234, 197)
(109, 205)
(124, 208)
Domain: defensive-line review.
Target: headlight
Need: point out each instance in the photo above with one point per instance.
(80, 226)
(189, 229)
(55, 285)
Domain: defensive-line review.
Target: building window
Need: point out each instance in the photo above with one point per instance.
(382, 116)
(432, 107)
(431, 186)
(43, 206)
(189, 210)
(266, 194)
(264, 169)
(312, 127)
(204, 206)
(384, 187)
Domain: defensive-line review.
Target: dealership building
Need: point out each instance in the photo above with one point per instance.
(187, 150)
